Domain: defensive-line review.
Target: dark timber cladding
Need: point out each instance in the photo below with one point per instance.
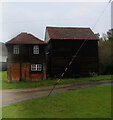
(26, 58)
(63, 43)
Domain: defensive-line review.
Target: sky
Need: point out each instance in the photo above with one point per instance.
(33, 17)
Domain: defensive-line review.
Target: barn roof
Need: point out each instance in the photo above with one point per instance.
(71, 33)
(25, 38)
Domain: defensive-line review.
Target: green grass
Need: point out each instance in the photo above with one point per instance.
(17, 85)
(94, 102)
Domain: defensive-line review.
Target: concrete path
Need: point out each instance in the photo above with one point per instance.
(18, 95)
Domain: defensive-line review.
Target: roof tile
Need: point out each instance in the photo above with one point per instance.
(71, 33)
(25, 38)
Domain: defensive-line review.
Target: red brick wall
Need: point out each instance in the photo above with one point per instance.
(36, 77)
(44, 71)
(39, 76)
(15, 73)
(25, 71)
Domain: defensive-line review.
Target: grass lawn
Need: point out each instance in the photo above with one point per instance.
(94, 102)
(6, 85)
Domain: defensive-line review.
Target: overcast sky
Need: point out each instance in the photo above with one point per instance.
(33, 17)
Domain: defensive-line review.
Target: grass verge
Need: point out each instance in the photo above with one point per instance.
(94, 102)
(17, 85)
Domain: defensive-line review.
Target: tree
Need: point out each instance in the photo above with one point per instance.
(105, 53)
(107, 36)
(98, 35)
(110, 34)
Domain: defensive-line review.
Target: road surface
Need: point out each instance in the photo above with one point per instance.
(18, 95)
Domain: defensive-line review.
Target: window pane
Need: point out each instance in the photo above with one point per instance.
(15, 49)
(36, 67)
(33, 67)
(36, 49)
(39, 67)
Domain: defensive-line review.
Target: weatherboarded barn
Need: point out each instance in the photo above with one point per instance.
(63, 43)
(26, 58)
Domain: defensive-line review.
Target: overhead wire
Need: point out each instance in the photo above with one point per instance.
(78, 50)
(101, 14)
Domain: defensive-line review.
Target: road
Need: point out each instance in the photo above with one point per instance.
(18, 95)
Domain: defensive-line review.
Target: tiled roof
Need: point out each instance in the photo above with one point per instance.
(25, 38)
(71, 33)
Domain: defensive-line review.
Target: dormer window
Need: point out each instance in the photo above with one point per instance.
(15, 49)
(36, 49)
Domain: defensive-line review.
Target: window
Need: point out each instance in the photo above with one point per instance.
(36, 67)
(15, 49)
(36, 49)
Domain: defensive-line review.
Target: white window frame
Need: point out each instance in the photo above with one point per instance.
(36, 49)
(16, 49)
(36, 67)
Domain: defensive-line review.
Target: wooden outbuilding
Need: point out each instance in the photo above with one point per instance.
(63, 43)
(26, 58)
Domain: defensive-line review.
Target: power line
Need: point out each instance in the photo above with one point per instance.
(66, 68)
(101, 14)
(77, 51)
